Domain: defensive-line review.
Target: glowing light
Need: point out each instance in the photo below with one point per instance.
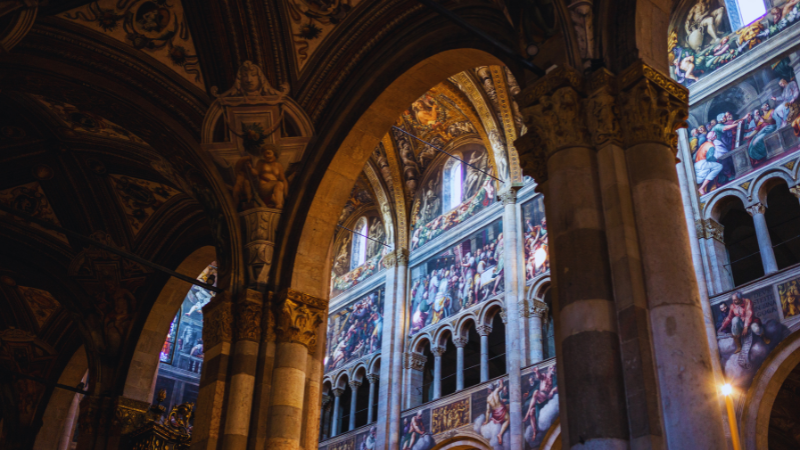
(726, 389)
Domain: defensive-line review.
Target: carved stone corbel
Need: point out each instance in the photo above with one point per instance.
(710, 229)
(415, 361)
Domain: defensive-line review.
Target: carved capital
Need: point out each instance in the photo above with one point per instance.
(460, 341)
(248, 317)
(415, 361)
(337, 392)
(217, 320)
(795, 191)
(373, 378)
(509, 197)
(709, 229)
(652, 106)
(297, 322)
(129, 414)
(563, 76)
(308, 300)
(504, 316)
(390, 260)
(532, 156)
(326, 399)
(602, 111)
(758, 208)
(438, 350)
(354, 384)
(398, 257)
(559, 120)
(483, 330)
(538, 308)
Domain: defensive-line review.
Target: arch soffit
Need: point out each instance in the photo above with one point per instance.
(374, 365)
(760, 398)
(539, 288)
(441, 334)
(144, 365)
(468, 440)
(462, 325)
(308, 274)
(769, 179)
(341, 379)
(489, 310)
(419, 341)
(712, 208)
(552, 440)
(399, 194)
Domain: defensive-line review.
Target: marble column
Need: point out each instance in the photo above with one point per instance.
(651, 107)
(630, 298)
(762, 234)
(354, 385)
(459, 342)
(298, 317)
(391, 398)
(536, 313)
(483, 332)
(247, 335)
(558, 153)
(437, 352)
(337, 413)
(373, 379)
(217, 337)
(514, 281)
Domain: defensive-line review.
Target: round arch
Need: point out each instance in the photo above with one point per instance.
(761, 396)
(140, 380)
(308, 274)
(463, 442)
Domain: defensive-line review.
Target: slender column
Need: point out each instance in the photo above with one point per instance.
(652, 106)
(484, 331)
(513, 287)
(437, 351)
(373, 379)
(336, 411)
(325, 422)
(298, 317)
(764, 241)
(354, 385)
(563, 162)
(536, 315)
(217, 337)
(395, 397)
(459, 342)
(630, 298)
(247, 334)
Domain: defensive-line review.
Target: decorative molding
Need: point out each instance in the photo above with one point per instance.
(248, 317)
(217, 319)
(247, 86)
(484, 330)
(602, 112)
(460, 341)
(509, 197)
(415, 361)
(758, 208)
(297, 323)
(299, 297)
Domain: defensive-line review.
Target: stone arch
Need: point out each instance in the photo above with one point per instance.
(539, 288)
(308, 272)
(468, 440)
(760, 398)
(341, 380)
(715, 205)
(441, 334)
(461, 327)
(767, 180)
(489, 310)
(374, 366)
(140, 380)
(359, 372)
(418, 342)
(57, 414)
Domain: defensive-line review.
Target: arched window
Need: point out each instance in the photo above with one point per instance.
(359, 250)
(745, 12)
(453, 186)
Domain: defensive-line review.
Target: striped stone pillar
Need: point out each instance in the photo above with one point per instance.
(247, 335)
(651, 107)
(632, 313)
(259, 417)
(558, 153)
(298, 317)
(217, 337)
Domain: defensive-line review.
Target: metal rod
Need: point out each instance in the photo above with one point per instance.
(356, 232)
(448, 154)
(107, 248)
(48, 383)
(474, 30)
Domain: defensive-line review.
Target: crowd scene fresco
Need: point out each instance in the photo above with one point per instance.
(702, 38)
(733, 133)
(458, 278)
(748, 328)
(355, 330)
(537, 254)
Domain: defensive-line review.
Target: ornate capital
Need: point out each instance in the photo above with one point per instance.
(602, 112)
(758, 208)
(538, 308)
(415, 361)
(460, 341)
(509, 197)
(297, 322)
(390, 260)
(559, 120)
(709, 229)
(217, 320)
(354, 384)
(326, 399)
(563, 76)
(652, 106)
(438, 350)
(373, 378)
(532, 156)
(308, 300)
(397, 257)
(248, 316)
(795, 191)
(504, 316)
(337, 392)
(483, 330)
(129, 414)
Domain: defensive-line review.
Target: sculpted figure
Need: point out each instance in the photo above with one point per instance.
(703, 20)
(268, 175)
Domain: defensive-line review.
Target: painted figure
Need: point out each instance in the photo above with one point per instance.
(704, 20)
(763, 125)
(413, 431)
(788, 107)
(497, 408)
(742, 319)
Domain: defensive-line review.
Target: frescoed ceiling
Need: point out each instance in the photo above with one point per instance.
(312, 21)
(155, 27)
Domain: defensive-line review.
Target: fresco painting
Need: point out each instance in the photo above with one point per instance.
(539, 404)
(748, 328)
(491, 414)
(537, 254)
(450, 416)
(366, 440)
(347, 444)
(789, 293)
(355, 330)
(457, 278)
(702, 38)
(746, 126)
(415, 431)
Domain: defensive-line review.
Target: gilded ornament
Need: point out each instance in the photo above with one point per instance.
(651, 114)
(248, 320)
(298, 323)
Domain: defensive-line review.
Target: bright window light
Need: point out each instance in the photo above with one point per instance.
(750, 10)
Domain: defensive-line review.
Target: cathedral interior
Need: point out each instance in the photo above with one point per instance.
(325, 224)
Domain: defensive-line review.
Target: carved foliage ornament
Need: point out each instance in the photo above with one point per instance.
(602, 116)
(651, 114)
(532, 156)
(710, 229)
(298, 323)
(558, 120)
(415, 361)
(217, 322)
(248, 321)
